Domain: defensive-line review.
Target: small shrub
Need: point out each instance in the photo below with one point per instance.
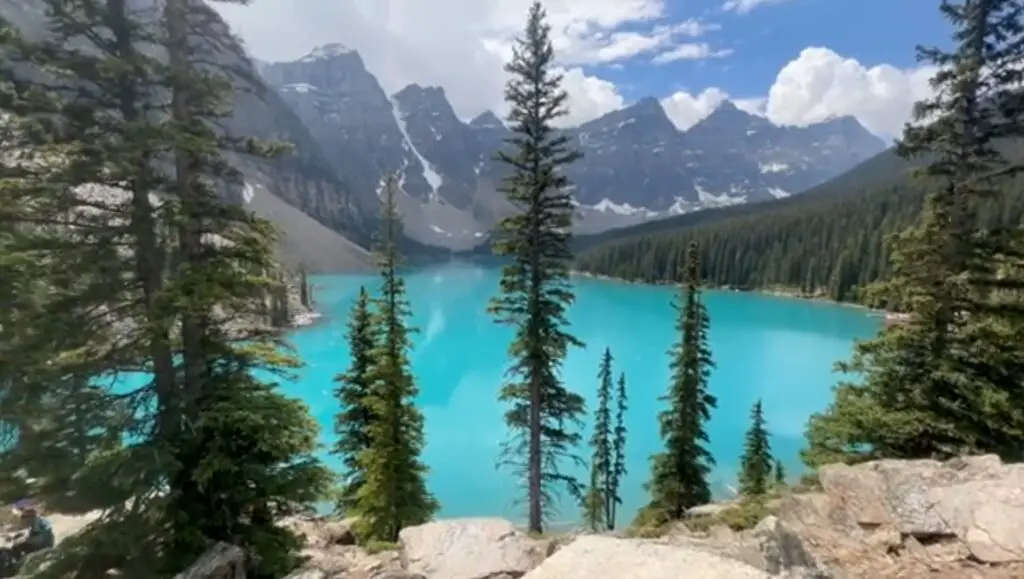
(701, 523)
(649, 523)
(743, 516)
(374, 547)
(808, 482)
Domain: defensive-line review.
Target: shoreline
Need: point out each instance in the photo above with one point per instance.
(887, 316)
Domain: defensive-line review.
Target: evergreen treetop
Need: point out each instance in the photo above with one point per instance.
(544, 416)
(757, 461)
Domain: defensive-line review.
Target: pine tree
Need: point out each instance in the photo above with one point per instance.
(220, 490)
(618, 453)
(599, 496)
(930, 384)
(82, 239)
(535, 288)
(594, 502)
(394, 491)
(756, 463)
(780, 474)
(305, 296)
(352, 423)
(679, 473)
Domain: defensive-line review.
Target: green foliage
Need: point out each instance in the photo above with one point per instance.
(756, 462)
(599, 498)
(828, 242)
(393, 493)
(745, 515)
(535, 288)
(947, 382)
(123, 265)
(780, 474)
(618, 452)
(650, 521)
(594, 501)
(352, 423)
(252, 458)
(679, 473)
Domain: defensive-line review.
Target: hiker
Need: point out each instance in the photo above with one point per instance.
(40, 532)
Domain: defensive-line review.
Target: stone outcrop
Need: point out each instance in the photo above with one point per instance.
(889, 519)
(469, 549)
(595, 557)
(957, 516)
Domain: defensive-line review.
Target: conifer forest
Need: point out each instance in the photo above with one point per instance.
(142, 312)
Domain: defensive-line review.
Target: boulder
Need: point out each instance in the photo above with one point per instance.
(600, 557)
(221, 561)
(978, 500)
(474, 548)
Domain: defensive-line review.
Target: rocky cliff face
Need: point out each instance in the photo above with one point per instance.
(304, 179)
(637, 165)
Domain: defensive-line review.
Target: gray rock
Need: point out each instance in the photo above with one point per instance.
(474, 548)
(597, 557)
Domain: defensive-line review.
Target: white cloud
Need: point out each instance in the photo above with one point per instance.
(462, 44)
(690, 51)
(745, 6)
(819, 84)
(589, 97)
(686, 110)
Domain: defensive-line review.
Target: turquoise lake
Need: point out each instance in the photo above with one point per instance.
(778, 349)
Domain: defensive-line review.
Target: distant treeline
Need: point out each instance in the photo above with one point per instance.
(827, 242)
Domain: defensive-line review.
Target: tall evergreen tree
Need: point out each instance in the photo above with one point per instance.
(108, 223)
(535, 289)
(756, 463)
(223, 491)
(353, 422)
(944, 383)
(679, 473)
(780, 473)
(601, 447)
(394, 491)
(618, 453)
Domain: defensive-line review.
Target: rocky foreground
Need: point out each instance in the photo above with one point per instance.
(955, 520)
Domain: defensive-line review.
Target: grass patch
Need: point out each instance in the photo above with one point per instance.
(374, 547)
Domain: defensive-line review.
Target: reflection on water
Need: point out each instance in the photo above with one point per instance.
(777, 349)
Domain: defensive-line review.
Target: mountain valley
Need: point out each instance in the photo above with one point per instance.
(637, 165)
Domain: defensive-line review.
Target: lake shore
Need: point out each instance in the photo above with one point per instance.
(780, 292)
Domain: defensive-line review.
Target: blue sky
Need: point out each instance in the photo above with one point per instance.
(793, 61)
(873, 32)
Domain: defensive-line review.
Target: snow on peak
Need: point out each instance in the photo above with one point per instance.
(432, 177)
(327, 51)
(301, 87)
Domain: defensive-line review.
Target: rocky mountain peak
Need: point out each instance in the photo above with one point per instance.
(327, 52)
(430, 100)
(487, 120)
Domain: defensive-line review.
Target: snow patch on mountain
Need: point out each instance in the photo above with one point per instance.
(720, 200)
(773, 167)
(302, 87)
(433, 178)
(327, 51)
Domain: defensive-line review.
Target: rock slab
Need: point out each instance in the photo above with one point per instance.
(473, 548)
(598, 557)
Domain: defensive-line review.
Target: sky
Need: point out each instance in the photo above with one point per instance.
(793, 61)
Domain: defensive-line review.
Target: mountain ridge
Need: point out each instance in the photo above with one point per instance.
(637, 165)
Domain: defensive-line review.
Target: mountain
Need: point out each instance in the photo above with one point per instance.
(301, 192)
(637, 165)
(826, 242)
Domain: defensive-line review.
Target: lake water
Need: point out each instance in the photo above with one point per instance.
(778, 349)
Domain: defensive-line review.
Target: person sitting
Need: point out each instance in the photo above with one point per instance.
(40, 531)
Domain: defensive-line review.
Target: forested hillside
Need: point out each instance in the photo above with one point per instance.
(828, 241)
